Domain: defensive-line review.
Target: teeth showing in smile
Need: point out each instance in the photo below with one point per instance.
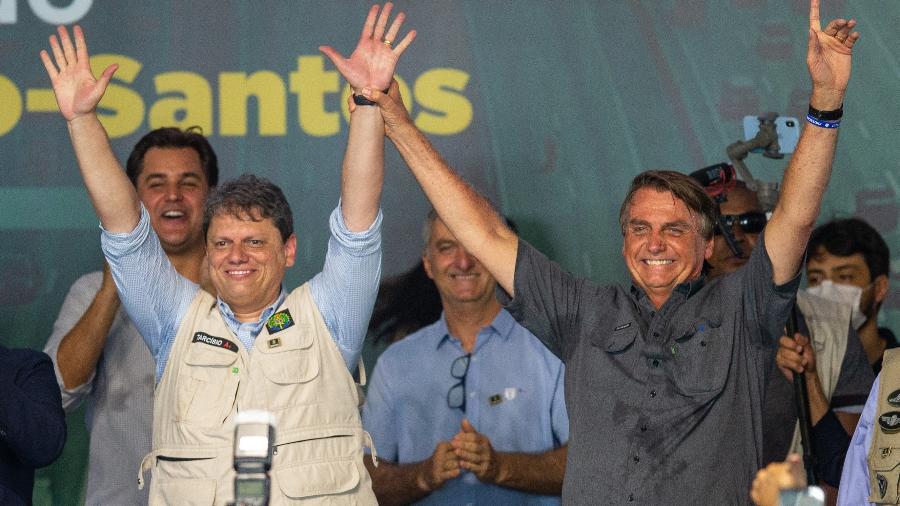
(173, 214)
(238, 273)
(657, 262)
(463, 276)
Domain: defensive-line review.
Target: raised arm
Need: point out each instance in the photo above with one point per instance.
(828, 60)
(468, 215)
(371, 66)
(77, 94)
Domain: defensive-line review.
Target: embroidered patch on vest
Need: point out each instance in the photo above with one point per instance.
(622, 327)
(894, 398)
(890, 422)
(218, 342)
(279, 321)
(882, 484)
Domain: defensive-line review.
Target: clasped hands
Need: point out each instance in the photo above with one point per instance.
(469, 450)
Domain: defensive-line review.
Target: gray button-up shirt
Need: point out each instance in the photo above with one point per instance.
(664, 405)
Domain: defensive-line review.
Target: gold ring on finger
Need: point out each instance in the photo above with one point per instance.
(387, 42)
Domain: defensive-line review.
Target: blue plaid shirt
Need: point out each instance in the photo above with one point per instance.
(156, 297)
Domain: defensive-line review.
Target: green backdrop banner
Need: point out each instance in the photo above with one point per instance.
(548, 108)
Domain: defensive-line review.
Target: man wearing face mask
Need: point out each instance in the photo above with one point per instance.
(837, 373)
(851, 253)
(849, 261)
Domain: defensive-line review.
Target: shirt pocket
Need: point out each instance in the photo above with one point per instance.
(207, 386)
(884, 475)
(616, 342)
(701, 358)
(184, 477)
(295, 360)
(325, 466)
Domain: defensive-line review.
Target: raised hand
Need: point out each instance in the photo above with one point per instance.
(829, 53)
(777, 476)
(795, 355)
(372, 64)
(77, 91)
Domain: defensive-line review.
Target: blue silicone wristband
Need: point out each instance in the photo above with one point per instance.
(822, 123)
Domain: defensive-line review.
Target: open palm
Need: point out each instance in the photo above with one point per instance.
(77, 90)
(372, 64)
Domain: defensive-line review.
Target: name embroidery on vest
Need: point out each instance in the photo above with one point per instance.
(218, 342)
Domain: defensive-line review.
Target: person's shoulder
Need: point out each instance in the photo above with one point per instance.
(89, 282)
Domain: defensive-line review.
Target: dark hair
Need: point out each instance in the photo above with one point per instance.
(683, 187)
(172, 137)
(845, 237)
(250, 197)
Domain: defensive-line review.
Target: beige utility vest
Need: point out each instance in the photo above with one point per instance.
(828, 323)
(294, 371)
(884, 454)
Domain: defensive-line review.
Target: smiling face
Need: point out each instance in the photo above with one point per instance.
(173, 188)
(663, 246)
(740, 200)
(247, 262)
(459, 277)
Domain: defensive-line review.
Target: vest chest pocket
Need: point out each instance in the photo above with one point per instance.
(884, 476)
(207, 385)
(287, 358)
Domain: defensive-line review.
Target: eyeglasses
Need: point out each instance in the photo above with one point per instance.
(751, 223)
(456, 396)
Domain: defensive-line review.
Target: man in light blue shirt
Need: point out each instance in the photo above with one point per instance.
(469, 410)
(250, 243)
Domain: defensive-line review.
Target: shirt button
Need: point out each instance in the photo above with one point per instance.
(637, 459)
(652, 393)
(630, 497)
(654, 363)
(644, 428)
(656, 334)
(652, 314)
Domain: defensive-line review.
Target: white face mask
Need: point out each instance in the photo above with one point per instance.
(845, 294)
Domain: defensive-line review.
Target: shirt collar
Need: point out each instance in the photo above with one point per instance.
(502, 325)
(686, 289)
(263, 316)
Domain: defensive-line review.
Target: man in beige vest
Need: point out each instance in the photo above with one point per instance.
(254, 346)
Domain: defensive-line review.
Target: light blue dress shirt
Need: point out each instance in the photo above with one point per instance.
(156, 297)
(514, 396)
(854, 489)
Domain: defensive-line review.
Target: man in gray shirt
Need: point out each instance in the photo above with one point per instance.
(664, 379)
(98, 354)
